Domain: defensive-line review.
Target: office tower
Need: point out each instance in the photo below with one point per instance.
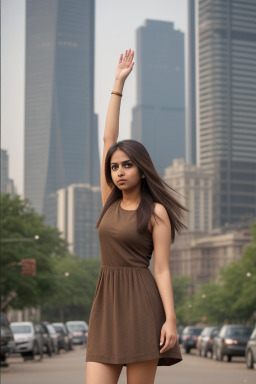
(190, 88)
(78, 210)
(61, 140)
(7, 184)
(194, 187)
(158, 118)
(226, 112)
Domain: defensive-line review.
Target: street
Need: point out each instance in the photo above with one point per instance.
(67, 368)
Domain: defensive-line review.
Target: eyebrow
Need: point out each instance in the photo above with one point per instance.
(122, 162)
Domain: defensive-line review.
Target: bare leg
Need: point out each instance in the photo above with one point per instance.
(98, 373)
(142, 372)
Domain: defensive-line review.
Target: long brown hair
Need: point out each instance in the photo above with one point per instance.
(153, 188)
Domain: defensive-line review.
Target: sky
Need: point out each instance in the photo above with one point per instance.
(116, 22)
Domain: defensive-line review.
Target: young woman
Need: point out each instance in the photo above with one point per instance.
(132, 321)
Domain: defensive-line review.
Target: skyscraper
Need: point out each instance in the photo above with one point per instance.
(158, 117)
(226, 110)
(61, 139)
(190, 89)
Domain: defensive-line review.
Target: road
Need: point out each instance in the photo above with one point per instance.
(69, 368)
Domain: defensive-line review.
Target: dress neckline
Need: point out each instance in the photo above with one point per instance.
(126, 210)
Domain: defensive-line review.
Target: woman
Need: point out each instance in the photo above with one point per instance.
(132, 321)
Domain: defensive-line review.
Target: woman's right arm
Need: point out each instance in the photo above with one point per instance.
(112, 120)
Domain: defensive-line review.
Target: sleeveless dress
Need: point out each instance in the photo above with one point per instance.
(127, 313)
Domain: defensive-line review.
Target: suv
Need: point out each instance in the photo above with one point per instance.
(189, 337)
(231, 341)
(28, 339)
(7, 339)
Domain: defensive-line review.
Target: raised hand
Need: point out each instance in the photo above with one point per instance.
(125, 65)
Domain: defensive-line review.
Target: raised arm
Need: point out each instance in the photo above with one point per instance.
(111, 131)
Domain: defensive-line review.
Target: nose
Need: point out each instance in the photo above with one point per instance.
(120, 171)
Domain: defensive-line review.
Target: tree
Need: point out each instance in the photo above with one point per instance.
(20, 221)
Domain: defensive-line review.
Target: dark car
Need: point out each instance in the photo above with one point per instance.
(205, 340)
(231, 341)
(179, 332)
(7, 339)
(65, 338)
(250, 350)
(54, 336)
(189, 337)
(78, 330)
(47, 343)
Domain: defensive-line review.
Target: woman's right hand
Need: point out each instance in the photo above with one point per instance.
(125, 65)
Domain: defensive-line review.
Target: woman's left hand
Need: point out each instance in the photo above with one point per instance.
(169, 333)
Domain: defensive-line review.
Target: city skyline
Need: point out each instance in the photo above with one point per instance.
(109, 45)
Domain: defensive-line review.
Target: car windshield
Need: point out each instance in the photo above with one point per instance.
(51, 329)
(58, 328)
(21, 328)
(193, 331)
(236, 332)
(4, 320)
(76, 327)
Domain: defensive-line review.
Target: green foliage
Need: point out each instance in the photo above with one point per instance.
(50, 287)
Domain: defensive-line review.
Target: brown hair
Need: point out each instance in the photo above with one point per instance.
(153, 188)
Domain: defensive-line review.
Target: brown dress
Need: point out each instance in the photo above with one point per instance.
(127, 312)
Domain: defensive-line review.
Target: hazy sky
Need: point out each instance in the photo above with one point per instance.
(115, 24)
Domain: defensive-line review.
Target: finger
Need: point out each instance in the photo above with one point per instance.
(121, 58)
(131, 56)
(125, 56)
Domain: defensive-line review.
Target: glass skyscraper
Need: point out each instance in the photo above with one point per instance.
(61, 129)
(159, 115)
(226, 105)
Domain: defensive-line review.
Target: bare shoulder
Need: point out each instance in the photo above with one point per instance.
(159, 210)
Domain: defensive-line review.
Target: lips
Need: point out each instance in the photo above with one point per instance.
(121, 180)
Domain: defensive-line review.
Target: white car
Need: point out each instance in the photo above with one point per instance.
(79, 330)
(28, 341)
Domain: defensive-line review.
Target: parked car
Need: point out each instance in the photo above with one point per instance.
(47, 343)
(179, 332)
(231, 341)
(250, 350)
(7, 339)
(205, 340)
(65, 338)
(79, 331)
(189, 337)
(54, 337)
(28, 339)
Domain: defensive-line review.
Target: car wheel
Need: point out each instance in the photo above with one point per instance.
(49, 350)
(204, 352)
(35, 351)
(229, 358)
(249, 359)
(187, 349)
(219, 354)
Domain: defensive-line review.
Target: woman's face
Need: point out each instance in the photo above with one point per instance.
(122, 167)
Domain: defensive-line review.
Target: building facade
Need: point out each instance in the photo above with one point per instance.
(61, 134)
(202, 257)
(226, 100)
(194, 190)
(78, 210)
(158, 119)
